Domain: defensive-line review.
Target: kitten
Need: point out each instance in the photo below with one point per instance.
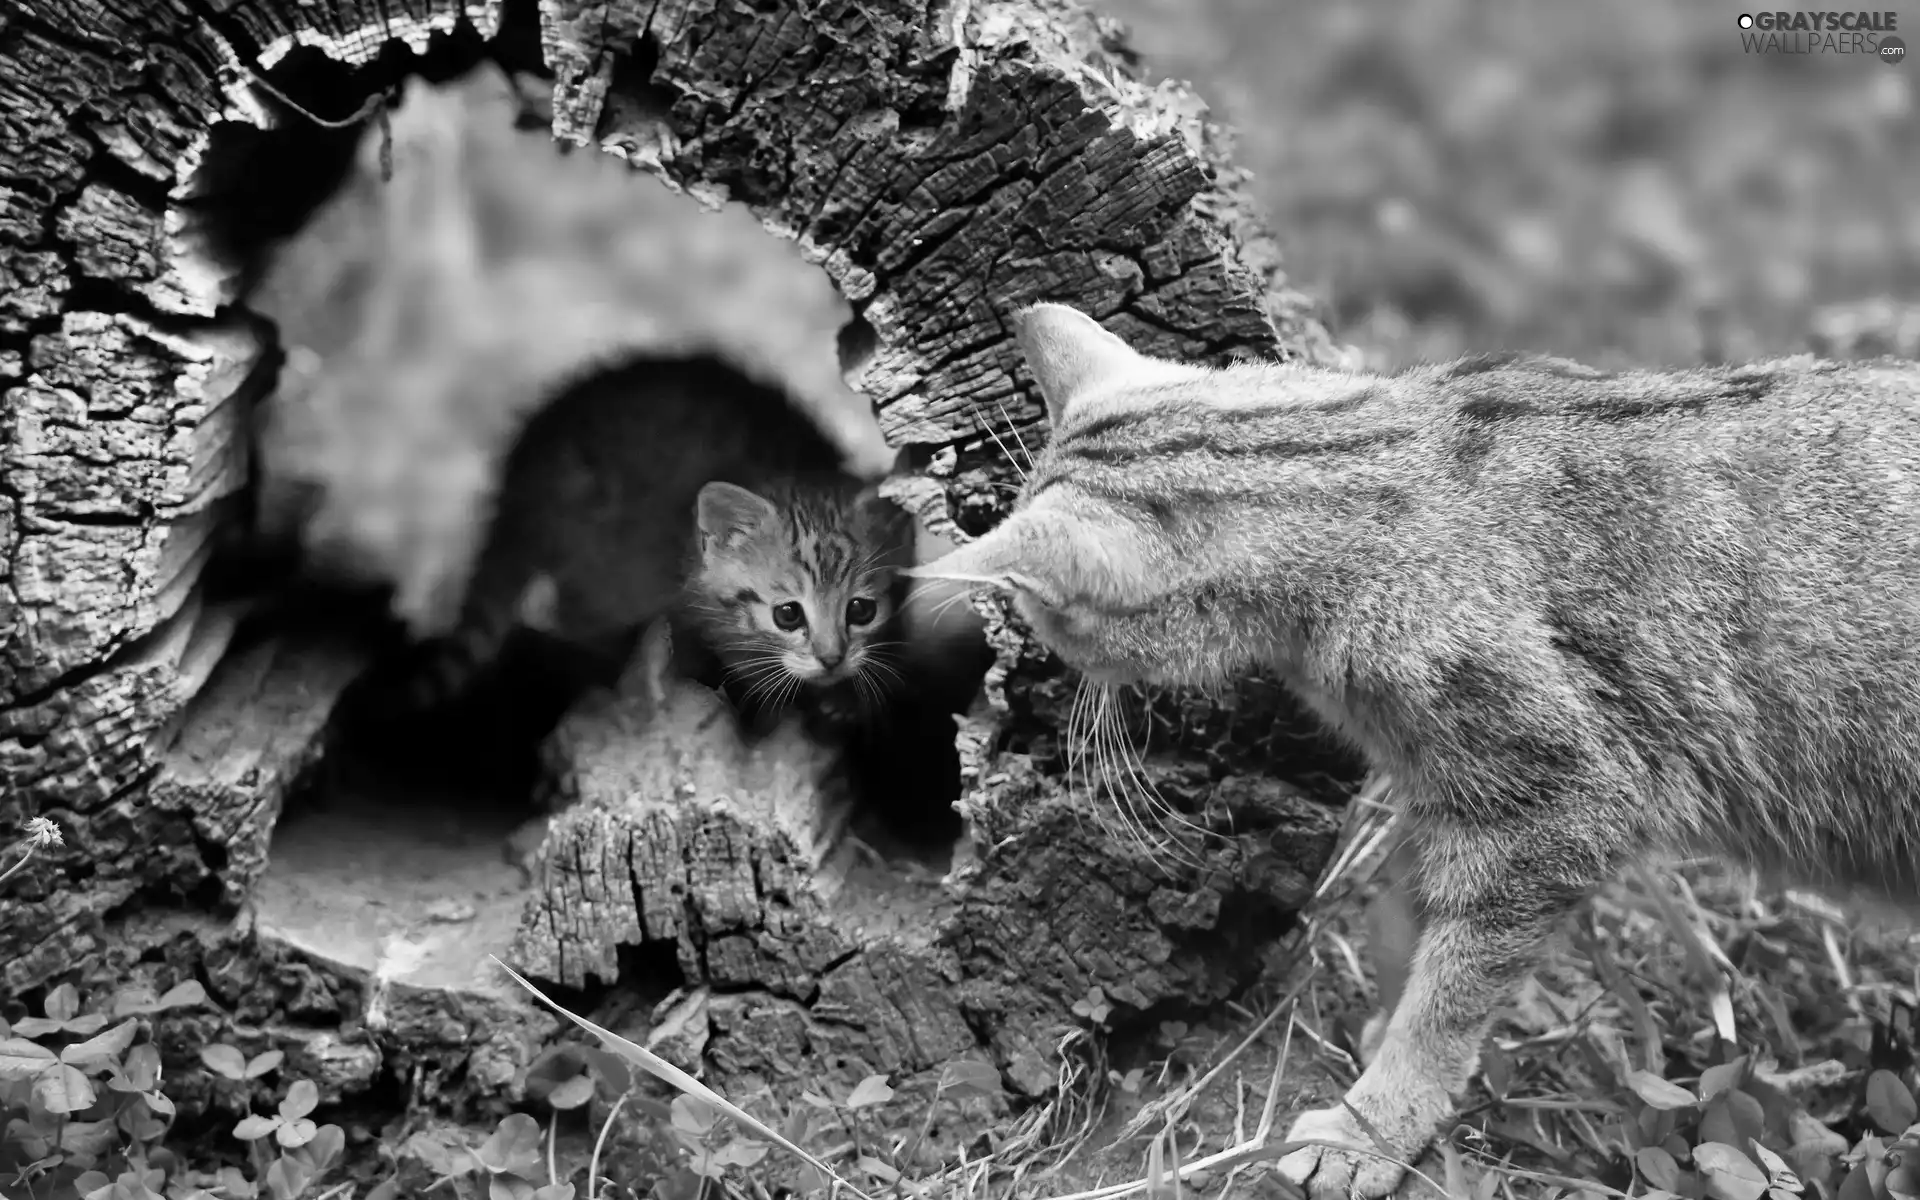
(640, 480)
(1575, 616)
(796, 587)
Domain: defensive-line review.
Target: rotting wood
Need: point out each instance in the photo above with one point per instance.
(1049, 180)
(119, 442)
(944, 165)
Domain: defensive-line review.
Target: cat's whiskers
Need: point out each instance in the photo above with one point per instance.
(885, 678)
(1076, 747)
(1169, 818)
(955, 597)
(872, 697)
(1100, 794)
(1125, 783)
(1118, 803)
(1091, 702)
(759, 664)
(764, 689)
(1138, 796)
(1018, 469)
(886, 674)
(791, 689)
(1018, 440)
(765, 673)
(865, 566)
(1004, 450)
(873, 649)
(1090, 750)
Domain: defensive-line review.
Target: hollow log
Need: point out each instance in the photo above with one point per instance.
(944, 164)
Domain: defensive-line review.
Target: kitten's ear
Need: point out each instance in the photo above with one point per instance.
(728, 513)
(1070, 353)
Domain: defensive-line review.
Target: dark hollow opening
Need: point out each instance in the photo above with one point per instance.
(476, 759)
(254, 188)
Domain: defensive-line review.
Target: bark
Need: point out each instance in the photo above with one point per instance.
(945, 164)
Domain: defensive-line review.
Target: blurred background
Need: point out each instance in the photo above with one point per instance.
(1613, 180)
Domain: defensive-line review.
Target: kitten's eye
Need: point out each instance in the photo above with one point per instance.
(860, 610)
(789, 616)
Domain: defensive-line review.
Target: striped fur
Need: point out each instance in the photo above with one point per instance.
(1576, 616)
(593, 532)
(830, 546)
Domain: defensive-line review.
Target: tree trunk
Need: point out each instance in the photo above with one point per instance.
(945, 164)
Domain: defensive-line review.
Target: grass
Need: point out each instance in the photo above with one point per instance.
(1687, 1025)
(1614, 181)
(1691, 1035)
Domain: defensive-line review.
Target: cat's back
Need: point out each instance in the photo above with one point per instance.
(1723, 562)
(1784, 409)
(1811, 466)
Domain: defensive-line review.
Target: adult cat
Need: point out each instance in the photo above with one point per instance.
(1575, 615)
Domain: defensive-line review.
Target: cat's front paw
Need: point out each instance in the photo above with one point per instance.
(1371, 1170)
(1330, 1174)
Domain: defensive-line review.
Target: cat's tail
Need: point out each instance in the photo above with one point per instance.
(436, 673)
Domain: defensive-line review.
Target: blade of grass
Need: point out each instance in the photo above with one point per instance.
(673, 1076)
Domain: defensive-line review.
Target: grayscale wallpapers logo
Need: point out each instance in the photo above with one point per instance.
(1869, 34)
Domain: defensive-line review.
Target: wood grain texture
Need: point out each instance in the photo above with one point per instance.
(944, 164)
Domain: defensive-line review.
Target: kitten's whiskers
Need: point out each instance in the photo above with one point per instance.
(766, 675)
(887, 674)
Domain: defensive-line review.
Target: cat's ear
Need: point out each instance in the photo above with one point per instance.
(729, 513)
(1070, 354)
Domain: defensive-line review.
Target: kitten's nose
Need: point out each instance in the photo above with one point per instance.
(829, 659)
